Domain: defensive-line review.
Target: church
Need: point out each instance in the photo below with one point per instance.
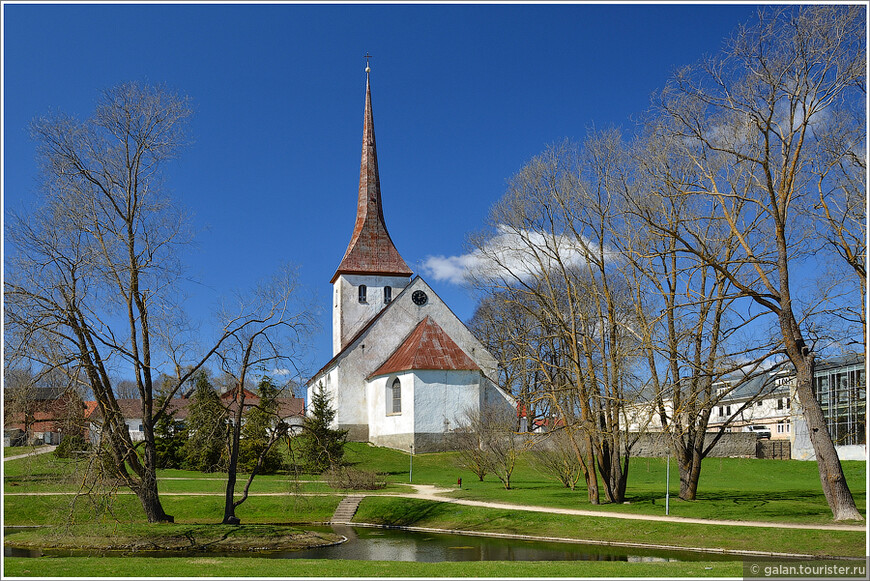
(405, 370)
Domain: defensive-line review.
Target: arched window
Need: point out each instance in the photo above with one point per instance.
(396, 396)
(362, 293)
(388, 294)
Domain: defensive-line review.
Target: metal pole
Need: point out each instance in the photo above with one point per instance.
(668, 487)
(411, 469)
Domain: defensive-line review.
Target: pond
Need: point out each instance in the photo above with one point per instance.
(374, 544)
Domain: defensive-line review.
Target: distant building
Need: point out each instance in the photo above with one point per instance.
(761, 405)
(291, 410)
(840, 385)
(766, 403)
(768, 406)
(405, 369)
(42, 415)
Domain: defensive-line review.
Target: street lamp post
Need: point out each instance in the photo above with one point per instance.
(411, 469)
(668, 487)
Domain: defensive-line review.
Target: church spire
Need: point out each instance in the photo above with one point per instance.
(371, 250)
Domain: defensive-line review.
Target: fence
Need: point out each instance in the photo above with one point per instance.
(773, 449)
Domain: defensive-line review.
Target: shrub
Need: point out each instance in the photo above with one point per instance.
(345, 478)
(70, 445)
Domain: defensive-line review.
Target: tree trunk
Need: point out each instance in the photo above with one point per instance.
(611, 472)
(590, 474)
(229, 507)
(690, 470)
(623, 479)
(147, 493)
(833, 480)
(587, 466)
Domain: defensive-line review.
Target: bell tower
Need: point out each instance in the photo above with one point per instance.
(371, 272)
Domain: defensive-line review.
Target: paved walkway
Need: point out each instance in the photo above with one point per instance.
(429, 492)
(40, 450)
(434, 493)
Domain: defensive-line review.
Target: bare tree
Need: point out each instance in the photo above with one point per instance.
(839, 171)
(549, 253)
(518, 342)
(278, 321)
(556, 456)
(687, 315)
(471, 451)
(748, 119)
(93, 274)
(489, 443)
(126, 389)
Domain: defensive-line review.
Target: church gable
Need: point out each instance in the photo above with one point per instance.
(427, 347)
(390, 329)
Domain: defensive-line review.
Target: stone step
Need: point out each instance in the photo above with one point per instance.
(346, 509)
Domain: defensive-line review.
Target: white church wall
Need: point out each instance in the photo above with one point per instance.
(385, 427)
(348, 401)
(497, 398)
(442, 398)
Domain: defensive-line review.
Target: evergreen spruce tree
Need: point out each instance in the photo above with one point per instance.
(319, 446)
(260, 430)
(169, 439)
(207, 429)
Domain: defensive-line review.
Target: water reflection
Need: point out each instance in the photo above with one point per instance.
(369, 544)
(395, 545)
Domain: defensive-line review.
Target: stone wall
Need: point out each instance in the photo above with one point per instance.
(730, 445)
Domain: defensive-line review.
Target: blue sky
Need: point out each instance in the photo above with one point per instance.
(463, 95)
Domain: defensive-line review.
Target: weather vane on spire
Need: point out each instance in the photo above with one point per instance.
(368, 56)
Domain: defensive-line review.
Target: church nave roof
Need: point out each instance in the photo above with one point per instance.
(427, 347)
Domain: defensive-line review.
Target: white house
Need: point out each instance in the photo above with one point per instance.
(764, 402)
(405, 369)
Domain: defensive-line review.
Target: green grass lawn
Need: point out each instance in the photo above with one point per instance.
(125, 508)
(734, 489)
(258, 567)
(730, 488)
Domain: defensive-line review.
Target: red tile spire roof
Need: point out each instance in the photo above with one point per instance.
(427, 347)
(371, 250)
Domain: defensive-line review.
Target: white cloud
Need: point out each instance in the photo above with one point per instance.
(453, 269)
(508, 254)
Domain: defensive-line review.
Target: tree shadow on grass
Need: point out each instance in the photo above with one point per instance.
(744, 505)
(407, 512)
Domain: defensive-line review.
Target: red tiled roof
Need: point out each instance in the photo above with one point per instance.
(371, 250)
(130, 408)
(427, 347)
(90, 406)
(178, 407)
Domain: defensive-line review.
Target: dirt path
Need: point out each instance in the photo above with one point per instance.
(428, 492)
